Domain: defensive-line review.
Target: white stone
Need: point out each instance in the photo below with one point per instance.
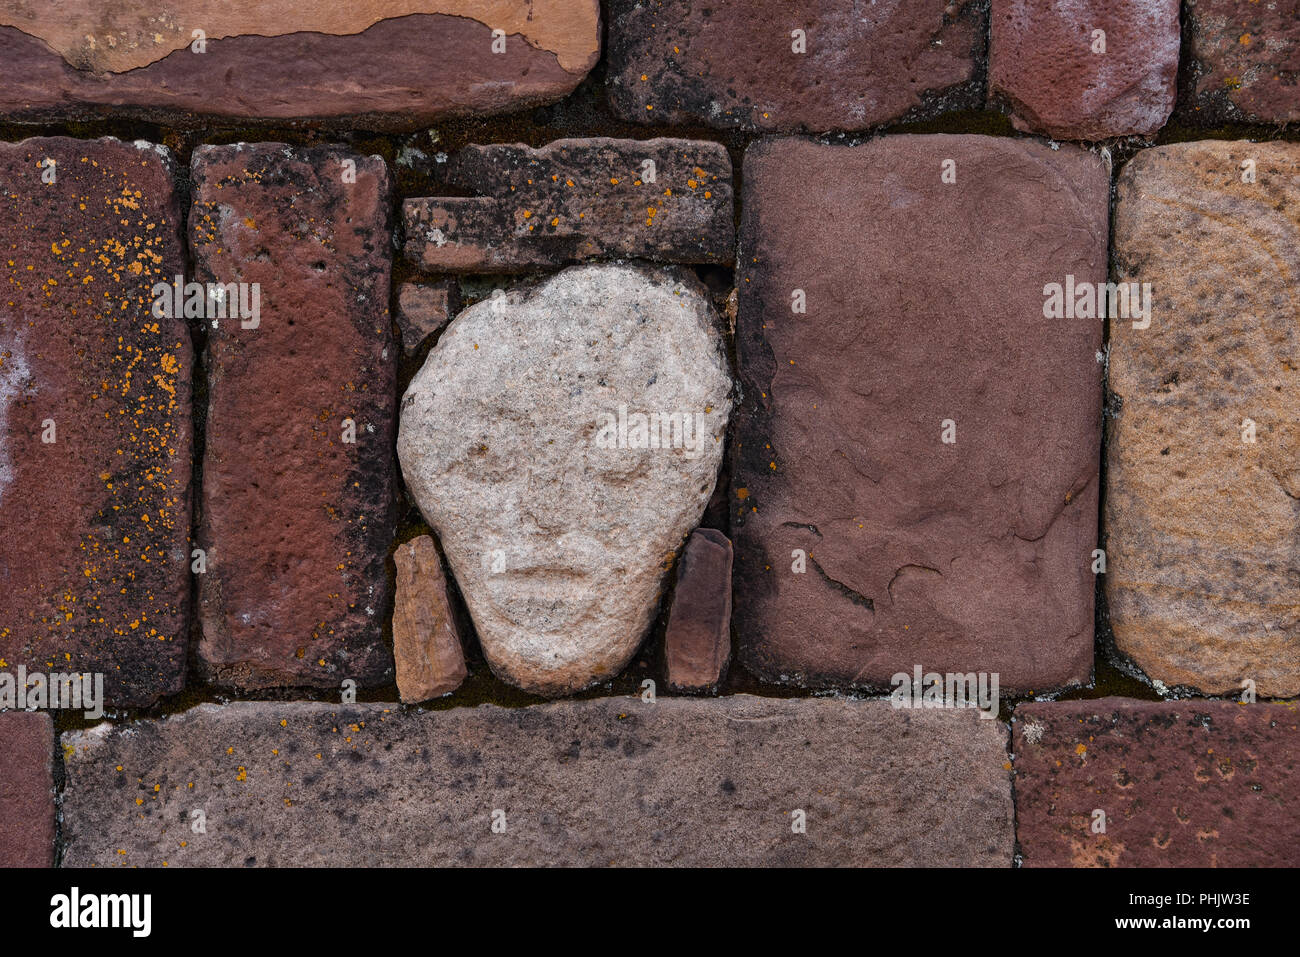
(560, 543)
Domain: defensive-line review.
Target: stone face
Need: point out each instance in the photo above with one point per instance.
(26, 790)
(522, 440)
(732, 63)
(94, 524)
(387, 62)
(1181, 783)
(1245, 60)
(1203, 576)
(577, 199)
(610, 781)
(698, 640)
(426, 643)
(1063, 80)
(297, 519)
(924, 313)
(422, 310)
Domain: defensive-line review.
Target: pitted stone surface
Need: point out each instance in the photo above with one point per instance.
(1202, 508)
(26, 790)
(924, 311)
(95, 433)
(521, 440)
(387, 62)
(609, 781)
(297, 519)
(1245, 60)
(733, 63)
(1181, 783)
(577, 199)
(1065, 80)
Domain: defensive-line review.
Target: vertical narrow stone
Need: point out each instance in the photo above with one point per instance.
(298, 474)
(426, 642)
(95, 433)
(698, 640)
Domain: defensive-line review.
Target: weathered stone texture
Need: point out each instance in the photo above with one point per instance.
(577, 199)
(1202, 525)
(426, 643)
(610, 781)
(732, 63)
(558, 529)
(95, 434)
(26, 790)
(924, 308)
(297, 520)
(697, 643)
(1181, 783)
(1245, 60)
(387, 62)
(1063, 80)
(422, 310)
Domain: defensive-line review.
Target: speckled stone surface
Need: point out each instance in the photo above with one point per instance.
(297, 520)
(26, 790)
(94, 525)
(1063, 80)
(1245, 60)
(609, 781)
(1201, 526)
(381, 63)
(1181, 783)
(576, 199)
(923, 305)
(732, 63)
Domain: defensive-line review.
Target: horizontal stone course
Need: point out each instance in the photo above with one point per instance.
(387, 63)
(1180, 783)
(610, 781)
(95, 418)
(664, 199)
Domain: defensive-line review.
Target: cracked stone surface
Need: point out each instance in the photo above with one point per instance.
(593, 783)
(26, 789)
(1063, 80)
(94, 522)
(1181, 783)
(1245, 58)
(732, 63)
(387, 63)
(297, 504)
(924, 305)
(561, 544)
(576, 199)
(1203, 578)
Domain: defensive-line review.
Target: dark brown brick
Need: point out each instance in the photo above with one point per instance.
(698, 639)
(26, 790)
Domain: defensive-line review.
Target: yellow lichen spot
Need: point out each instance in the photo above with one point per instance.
(243, 774)
(1081, 749)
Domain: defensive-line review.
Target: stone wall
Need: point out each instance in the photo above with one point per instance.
(650, 433)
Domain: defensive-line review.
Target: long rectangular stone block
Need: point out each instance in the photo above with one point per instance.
(95, 432)
(390, 63)
(916, 459)
(1115, 782)
(298, 470)
(733, 781)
